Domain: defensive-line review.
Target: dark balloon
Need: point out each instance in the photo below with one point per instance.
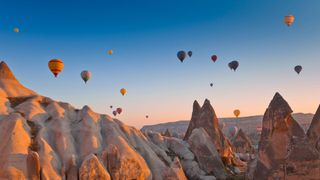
(181, 55)
(233, 65)
(111, 107)
(189, 53)
(298, 69)
(214, 58)
(147, 116)
(114, 113)
(211, 84)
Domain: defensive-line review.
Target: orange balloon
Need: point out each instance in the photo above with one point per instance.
(288, 20)
(56, 66)
(123, 91)
(236, 112)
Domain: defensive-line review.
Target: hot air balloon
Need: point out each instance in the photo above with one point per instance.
(236, 112)
(16, 30)
(288, 20)
(123, 91)
(114, 113)
(211, 84)
(55, 66)
(147, 116)
(233, 131)
(110, 51)
(111, 107)
(181, 55)
(119, 110)
(85, 75)
(189, 53)
(298, 69)
(214, 58)
(233, 65)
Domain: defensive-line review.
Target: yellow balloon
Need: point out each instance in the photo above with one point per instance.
(123, 91)
(55, 66)
(288, 20)
(16, 30)
(110, 51)
(236, 112)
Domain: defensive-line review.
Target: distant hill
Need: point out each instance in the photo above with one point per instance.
(248, 124)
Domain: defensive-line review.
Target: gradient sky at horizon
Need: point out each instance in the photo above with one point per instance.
(145, 37)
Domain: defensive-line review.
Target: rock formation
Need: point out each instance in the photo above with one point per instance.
(69, 143)
(314, 130)
(205, 117)
(33, 165)
(206, 153)
(283, 148)
(91, 168)
(241, 143)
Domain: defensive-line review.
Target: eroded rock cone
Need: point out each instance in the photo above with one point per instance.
(9, 83)
(91, 168)
(205, 117)
(5, 72)
(242, 144)
(167, 133)
(281, 137)
(314, 130)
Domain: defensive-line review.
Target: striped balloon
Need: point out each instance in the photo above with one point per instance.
(85, 75)
(55, 66)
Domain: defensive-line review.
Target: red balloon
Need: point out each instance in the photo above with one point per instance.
(119, 110)
(214, 58)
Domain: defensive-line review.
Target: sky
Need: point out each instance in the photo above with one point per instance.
(146, 36)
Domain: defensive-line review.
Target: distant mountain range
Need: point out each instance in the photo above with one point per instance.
(248, 124)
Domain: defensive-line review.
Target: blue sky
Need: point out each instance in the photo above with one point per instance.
(145, 37)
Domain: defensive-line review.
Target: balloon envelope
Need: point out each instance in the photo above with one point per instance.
(56, 66)
(211, 84)
(189, 53)
(298, 69)
(114, 113)
(147, 116)
(85, 75)
(288, 20)
(123, 91)
(233, 65)
(181, 55)
(16, 30)
(236, 112)
(110, 51)
(214, 58)
(119, 110)
(111, 107)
